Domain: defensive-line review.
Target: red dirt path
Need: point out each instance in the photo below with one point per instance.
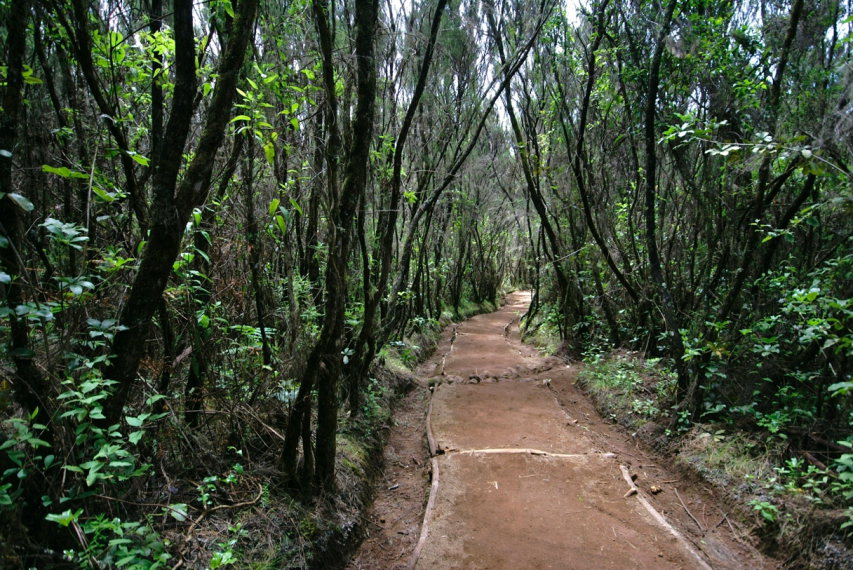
(527, 476)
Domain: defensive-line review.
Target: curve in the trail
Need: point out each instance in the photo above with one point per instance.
(516, 484)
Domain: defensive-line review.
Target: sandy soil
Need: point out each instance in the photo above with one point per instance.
(509, 466)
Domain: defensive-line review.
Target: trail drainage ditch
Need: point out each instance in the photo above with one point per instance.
(525, 475)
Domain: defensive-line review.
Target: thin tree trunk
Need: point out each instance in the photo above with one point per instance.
(365, 346)
(255, 251)
(324, 362)
(28, 383)
(671, 319)
(172, 207)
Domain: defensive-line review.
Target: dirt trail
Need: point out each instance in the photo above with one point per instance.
(525, 474)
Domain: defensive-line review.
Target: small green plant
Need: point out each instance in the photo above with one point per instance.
(116, 543)
(24, 449)
(408, 352)
(645, 407)
(843, 465)
(225, 554)
(210, 485)
(372, 406)
(614, 373)
(768, 511)
(847, 525)
(102, 457)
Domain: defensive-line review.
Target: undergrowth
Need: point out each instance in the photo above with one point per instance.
(152, 492)
(800, 507)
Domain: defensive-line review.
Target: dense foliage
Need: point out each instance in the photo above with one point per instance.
(216, 217)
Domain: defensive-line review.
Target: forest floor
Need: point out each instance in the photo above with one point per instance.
(519, 471)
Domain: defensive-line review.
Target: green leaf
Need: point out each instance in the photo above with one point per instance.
(269, 153)
(64, 172)
(134, 421)
(65, 518)
(135, 436)
(840, 388)
(246, 118)
(155, 398)
(58, 170)
(21, 201)
(296, 206)
(102, 194)
(94, 475)
(279, 220)
(179, 511)
(138, 158)
(29, 79)
(229, 9)
(273, 206)
(127, 560)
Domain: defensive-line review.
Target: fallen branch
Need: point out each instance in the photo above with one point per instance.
(531, 451)
(430, 437)
(817, 462)
(254, 416)
(660, 518)
(633, 486)
(701, 529)
(207, 512)
(722, 520)
(433, 492)
(678, 536)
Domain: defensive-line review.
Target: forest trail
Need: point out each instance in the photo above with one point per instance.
(526, 475)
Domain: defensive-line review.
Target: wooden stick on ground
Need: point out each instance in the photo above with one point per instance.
(661, 520)
(430, 437)
(627, 475)
(433, 491)
(701, 528)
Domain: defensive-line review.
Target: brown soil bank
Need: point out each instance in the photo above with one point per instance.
(525, 474)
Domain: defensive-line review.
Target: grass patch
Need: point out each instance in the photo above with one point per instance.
(628, 389)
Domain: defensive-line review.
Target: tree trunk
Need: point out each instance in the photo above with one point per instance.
(365, 346)
(172, 207)
(671, 319)
(324, 362)
(28, 383)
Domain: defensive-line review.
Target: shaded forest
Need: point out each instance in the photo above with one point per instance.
(220, 220)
